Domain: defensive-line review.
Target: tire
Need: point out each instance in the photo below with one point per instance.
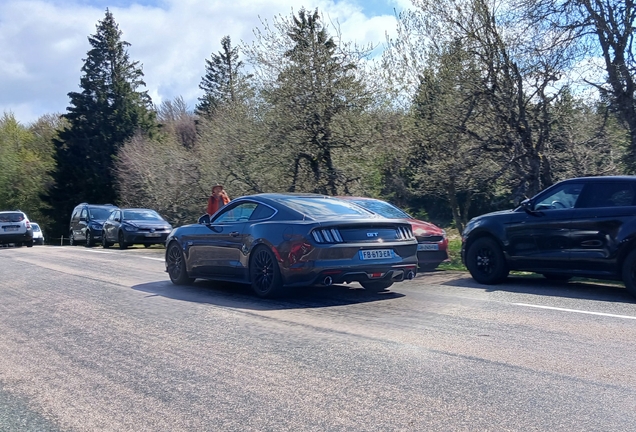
(486, 262)
(556, 277)
(376, 286)
(176, 266)
(90, 242)
(120, 240)
(71, 239)
(147, 245)
(629, 272)
(265, 275)
(105, 243)
(29, 244)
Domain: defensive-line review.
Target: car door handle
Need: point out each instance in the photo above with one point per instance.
(234, 233)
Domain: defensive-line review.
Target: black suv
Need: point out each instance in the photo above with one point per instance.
(87, 221)
(578, 227)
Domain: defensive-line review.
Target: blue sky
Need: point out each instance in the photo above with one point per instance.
(44, 41)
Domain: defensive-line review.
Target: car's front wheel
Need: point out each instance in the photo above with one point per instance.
(629, 272)
(105, 243)
(486, 262)
(176, 266)
(121, 241)
(71, 239)
(90, 242)
(265, 273)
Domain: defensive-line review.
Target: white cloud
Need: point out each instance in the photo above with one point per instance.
(44, 42)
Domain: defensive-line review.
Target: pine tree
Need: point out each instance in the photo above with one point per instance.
(223, 81)
(108, 111)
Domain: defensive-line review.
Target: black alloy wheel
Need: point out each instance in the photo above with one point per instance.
(629, 272)
(376, 286)
(265, 273)
(486, 262)
(89, 239)
(120, 240)
(176, 265)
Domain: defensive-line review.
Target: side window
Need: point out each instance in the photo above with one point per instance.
(83, 213)
(563, 197)
(262, 212)
(75, 216)
(239, 213)
(608, 194)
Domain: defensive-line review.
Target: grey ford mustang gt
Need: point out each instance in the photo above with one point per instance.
(278, 241)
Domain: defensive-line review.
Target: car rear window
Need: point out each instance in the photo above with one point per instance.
(382, 208)
(325, 207)
(11, 217)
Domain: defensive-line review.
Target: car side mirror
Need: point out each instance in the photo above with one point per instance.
(527, 205)
(205, 219)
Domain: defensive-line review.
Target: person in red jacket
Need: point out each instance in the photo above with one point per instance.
(217, 200)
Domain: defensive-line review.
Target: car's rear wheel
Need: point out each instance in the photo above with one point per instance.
(29, 244)
(629, 272)
(121, 241)
(376, 286)
(90, 242)
(176, 266)
(486, 262)
(265, 273)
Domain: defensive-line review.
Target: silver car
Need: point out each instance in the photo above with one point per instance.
(15, 228)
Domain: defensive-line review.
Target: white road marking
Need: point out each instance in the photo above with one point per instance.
(151, 258)
(112, 253)
(576, 311)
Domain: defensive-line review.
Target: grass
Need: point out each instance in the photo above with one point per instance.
(454, 254)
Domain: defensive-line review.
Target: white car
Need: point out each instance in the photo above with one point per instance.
(15, 228)
(38, 235)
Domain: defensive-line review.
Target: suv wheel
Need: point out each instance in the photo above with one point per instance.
(71, 239)
(486, 262)
(629, 272)
(90, 242)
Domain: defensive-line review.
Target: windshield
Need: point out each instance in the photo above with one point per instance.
(382, 208)
(141, 215)
(325, 207)
(97, 213)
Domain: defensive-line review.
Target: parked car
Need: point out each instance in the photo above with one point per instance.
(135, 226)
(38, 235)
(578, 227)
(432, 243)
(15, 228)
(278, 241)
(86, 223)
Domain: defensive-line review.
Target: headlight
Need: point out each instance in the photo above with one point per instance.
(130, 228)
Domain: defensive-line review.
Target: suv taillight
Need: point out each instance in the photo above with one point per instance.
(28, 224)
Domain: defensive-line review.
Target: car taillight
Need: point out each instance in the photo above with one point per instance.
(28, 225)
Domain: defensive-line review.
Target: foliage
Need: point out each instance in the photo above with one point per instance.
(26, 157)
(108, 111)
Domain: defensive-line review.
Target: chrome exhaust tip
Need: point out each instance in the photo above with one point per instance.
(327, 281)
(410, 275)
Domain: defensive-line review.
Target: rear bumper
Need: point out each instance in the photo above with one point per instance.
(16, 238)
(328, 276)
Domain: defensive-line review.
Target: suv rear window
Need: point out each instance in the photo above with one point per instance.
(11, 217)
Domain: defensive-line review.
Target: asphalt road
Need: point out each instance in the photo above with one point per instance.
(95, 340)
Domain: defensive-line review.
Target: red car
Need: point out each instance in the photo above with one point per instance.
(432, 243)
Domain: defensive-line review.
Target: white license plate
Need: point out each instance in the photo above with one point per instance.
(427, 247)
(153, 234)
(376, 254)
(11, 228)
